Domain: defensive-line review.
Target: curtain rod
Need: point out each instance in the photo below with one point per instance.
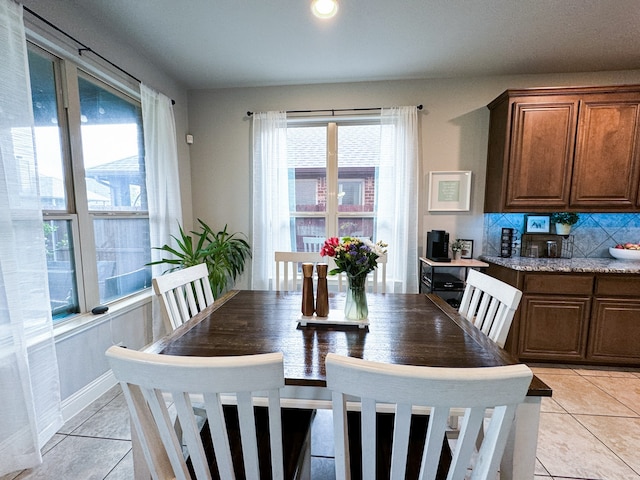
(84, 48)
(334, 110)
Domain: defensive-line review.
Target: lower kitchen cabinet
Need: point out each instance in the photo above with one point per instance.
(615, 320)
(615, 331)
(584, 318)
(554, 328)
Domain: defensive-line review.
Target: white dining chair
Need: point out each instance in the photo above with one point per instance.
(376, 280)
(490, 305)
(183, 293)
(279, 438)
(288, 276)
(437, 389)
(312, 244)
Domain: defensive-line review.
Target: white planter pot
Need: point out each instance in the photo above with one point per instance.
(563, 228)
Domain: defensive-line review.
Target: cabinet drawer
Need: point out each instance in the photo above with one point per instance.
(558, 283)
(613, 285)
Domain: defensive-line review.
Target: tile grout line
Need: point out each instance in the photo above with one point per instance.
(588, 378)
(574, 417)
(586, 427)
(119, 462)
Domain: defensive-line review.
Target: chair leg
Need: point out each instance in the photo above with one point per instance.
(453, 422)
(304, 467)
(178, 428)
(480, 438)
(201, 415)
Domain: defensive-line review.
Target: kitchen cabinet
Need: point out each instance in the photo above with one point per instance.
(615, 335)
(555, 316)
(564, 149)
(583, 318)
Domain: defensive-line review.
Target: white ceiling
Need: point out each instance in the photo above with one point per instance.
(229, 43)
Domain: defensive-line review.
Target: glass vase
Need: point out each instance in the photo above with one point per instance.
(355, 307)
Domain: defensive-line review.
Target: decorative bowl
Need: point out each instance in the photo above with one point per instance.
(624, 254)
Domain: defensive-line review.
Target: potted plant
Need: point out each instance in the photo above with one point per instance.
(224, 253)
(564, 221)
(456, 248)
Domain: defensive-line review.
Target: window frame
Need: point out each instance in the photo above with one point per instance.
(68, 68)
(77, 257)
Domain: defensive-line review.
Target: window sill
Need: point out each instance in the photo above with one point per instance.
(84, 321)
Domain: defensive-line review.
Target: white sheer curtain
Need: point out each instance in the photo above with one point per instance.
(397, 204)
(271, 224)
(163, 186)
(29, 384)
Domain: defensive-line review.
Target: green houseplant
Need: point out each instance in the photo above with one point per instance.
(224, 253)
(456, 248)
(564, 221)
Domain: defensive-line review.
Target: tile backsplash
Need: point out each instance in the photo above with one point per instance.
(593, 234)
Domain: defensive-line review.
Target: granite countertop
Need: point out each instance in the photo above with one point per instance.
(585, 265)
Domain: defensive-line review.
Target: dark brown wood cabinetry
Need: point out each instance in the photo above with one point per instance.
(564, 149)
(556, 316)
(615, 323)
(589, 318)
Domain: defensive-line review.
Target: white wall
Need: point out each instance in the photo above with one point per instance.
(453, 136)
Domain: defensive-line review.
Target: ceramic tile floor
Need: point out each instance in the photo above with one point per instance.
(590, 429)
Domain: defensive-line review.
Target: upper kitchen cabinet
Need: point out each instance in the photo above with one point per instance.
(564, 149)
(607, 158)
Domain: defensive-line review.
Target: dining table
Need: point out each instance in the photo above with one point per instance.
(405, 329)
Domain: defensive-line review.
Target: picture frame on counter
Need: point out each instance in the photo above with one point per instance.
(537, 223)
(467, 248)
(450, 191)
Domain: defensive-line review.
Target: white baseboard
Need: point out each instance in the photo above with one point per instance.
(80, 400)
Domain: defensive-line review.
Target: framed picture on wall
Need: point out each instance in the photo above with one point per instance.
(450, 191)
(537, 224)
(467, 249)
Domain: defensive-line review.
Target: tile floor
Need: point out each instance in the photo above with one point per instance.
(590, 429)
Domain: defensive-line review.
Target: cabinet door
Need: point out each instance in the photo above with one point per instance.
(607, 162)
(615, 331)
(553, 327)
(541, 154)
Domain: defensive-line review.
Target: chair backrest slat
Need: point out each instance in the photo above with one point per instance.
(289, 262)
(490, 305)
(146, 379)
(312, 244)
(440, 389)
(289, 278)
(376, 280)
(183, 293)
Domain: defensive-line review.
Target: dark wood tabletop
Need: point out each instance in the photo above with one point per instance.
(408, 329)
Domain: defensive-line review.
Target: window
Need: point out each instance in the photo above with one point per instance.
(373, 160)
(332, 180)
(91, 176)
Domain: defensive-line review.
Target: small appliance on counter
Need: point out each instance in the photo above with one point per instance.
(438, 246)
(447, 281)
(506, 242)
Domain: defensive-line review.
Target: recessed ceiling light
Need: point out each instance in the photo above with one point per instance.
(324, 8)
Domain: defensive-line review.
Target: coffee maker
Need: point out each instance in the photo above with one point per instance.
(438, 246)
